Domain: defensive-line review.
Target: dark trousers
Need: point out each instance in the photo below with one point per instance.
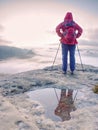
(65, 49)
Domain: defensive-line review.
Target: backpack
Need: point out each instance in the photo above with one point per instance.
(69, 34)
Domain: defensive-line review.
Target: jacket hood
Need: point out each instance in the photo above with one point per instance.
(68, 17)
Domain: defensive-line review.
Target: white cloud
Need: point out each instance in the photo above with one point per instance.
(1, 28)
(92, 34)
(4, 42)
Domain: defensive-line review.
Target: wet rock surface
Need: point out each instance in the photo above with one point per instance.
(19, 112)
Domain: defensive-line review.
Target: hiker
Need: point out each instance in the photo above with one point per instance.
(68, 31)
(65, 105)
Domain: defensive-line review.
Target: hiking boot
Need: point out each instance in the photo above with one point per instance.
(72, 73)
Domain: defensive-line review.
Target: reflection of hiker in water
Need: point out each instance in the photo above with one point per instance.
(65, 105)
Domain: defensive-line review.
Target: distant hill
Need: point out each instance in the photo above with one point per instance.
(7, 52)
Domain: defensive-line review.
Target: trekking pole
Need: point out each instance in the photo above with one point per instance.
(80, 58)
(75, 96)
(56, 95)
(55, 56)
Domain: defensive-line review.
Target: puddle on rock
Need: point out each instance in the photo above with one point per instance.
(58, 103)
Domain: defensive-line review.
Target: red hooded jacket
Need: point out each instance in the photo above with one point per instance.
(60, 29)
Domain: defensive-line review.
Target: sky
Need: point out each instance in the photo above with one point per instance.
(26, 23)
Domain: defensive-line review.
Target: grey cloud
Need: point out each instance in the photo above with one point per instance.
(7, 52)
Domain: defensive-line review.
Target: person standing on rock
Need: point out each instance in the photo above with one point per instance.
(68, 31)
